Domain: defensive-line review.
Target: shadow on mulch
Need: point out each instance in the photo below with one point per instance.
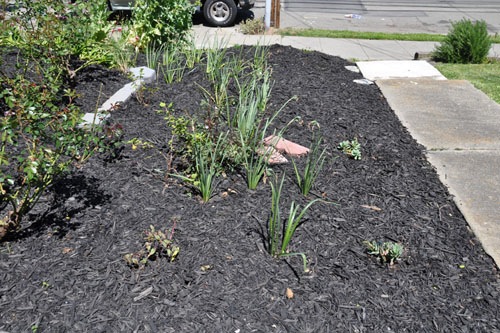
(223, 280)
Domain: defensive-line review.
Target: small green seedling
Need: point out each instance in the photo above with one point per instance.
(351, 148)
(387, 252)
(158, 244)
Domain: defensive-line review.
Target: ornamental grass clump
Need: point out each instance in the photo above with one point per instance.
(466, 43)
(255, 154)
(279, 236)
(209, 157)
(253, 27)
(313, 166)
(153, 55)
(172, 65)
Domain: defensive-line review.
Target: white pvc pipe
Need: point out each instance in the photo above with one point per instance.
(267, 16)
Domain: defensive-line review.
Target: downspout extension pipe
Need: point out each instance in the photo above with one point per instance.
(267, 15)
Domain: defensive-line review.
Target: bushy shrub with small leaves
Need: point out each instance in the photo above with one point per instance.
(253, 27)
(156, 22)
(466, 43)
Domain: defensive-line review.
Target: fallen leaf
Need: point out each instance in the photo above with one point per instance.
(143, 294)
(375, 208)
(289, 293)
(205, 268)
(67, 250)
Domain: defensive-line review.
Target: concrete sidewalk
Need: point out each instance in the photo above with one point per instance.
(404, 17)
(460, 128)
(458, 125)
(351, 49)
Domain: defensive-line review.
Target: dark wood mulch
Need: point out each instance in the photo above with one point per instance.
(66, 273)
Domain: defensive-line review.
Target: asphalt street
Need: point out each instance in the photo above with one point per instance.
(405, 16)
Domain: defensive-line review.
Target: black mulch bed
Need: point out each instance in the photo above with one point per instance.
(66, 273)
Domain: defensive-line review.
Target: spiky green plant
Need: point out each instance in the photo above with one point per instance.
(278, 239)
(313, 166)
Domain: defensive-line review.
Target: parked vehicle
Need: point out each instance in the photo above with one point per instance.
(220, 13)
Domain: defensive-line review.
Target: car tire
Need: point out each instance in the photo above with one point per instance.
(220, 13)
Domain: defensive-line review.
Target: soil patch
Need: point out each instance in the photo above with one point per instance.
(66, 272)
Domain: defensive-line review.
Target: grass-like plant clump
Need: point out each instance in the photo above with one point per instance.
(313, 166)
(279, 235)
(253, 27)
(235, 107)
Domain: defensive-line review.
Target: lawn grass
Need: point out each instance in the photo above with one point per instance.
(420, 37)
(485, 77)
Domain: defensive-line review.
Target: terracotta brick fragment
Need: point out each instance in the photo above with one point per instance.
(274, 156)
(286, 146)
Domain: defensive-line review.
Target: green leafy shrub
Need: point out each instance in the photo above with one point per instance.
(187, 134)
(160, 21)
(466, 43)
(40, 139)
(52, 32)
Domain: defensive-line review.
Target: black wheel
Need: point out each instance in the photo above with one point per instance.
(221, 13)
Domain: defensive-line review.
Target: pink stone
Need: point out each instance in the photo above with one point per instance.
(286, 146)
(273, 156)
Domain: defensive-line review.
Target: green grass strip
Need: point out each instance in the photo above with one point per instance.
(485, 77)
(320, 33)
